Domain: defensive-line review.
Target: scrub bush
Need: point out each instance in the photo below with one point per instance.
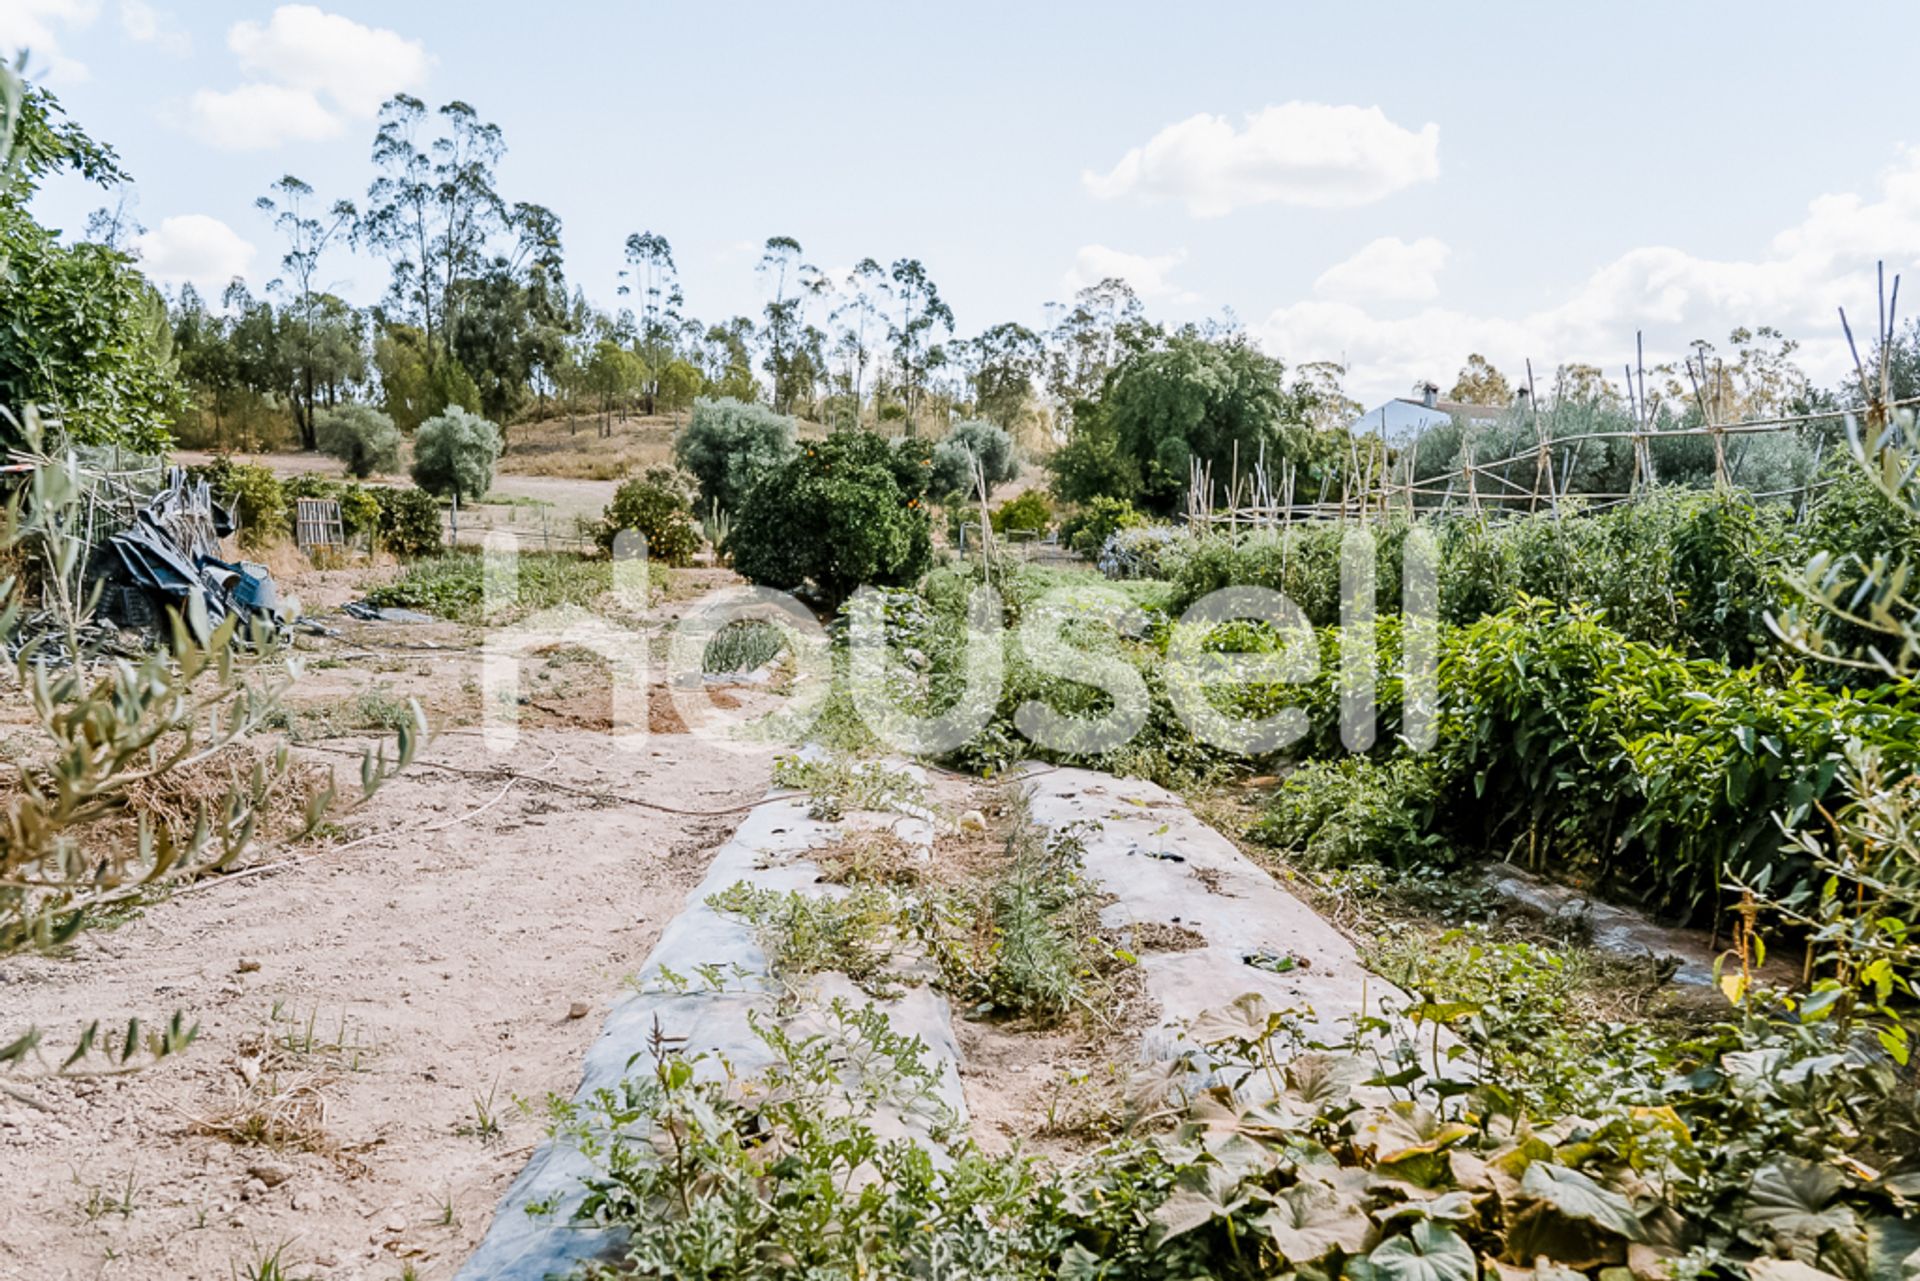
(454, 453)
(729, 445)
(834, 517)
(361, 437)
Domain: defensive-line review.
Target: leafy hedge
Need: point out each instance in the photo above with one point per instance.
(1695, 571)
(1599, 758)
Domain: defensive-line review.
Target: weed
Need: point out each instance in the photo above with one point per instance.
(274, 1265)
(374, 708)
(485, 1125)
(335, 1044)
(871, 858)
(1026, 942)
(807, 934)
(454, 586)
(101, 1201)
(837, 784)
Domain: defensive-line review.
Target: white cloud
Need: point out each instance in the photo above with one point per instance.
(258, 116)
(313, 71)
(1389, 269)
(1297, 153)
(1823, 261)
(141, 23)
(1147, 273)
(194, 249)
(36, 26)
(355, 66)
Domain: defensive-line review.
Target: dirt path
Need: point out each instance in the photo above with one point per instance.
(564, 498)
(418, 984)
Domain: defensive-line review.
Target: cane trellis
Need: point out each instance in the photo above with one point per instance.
(1375, 480)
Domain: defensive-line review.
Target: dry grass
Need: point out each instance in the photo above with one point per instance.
(572, 446)
(277, 1097)
(871, 858)
(285, 1111)
(177, 798)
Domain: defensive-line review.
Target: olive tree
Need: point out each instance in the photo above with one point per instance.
(729, 444)
(453, 455)
(972, 441)
(361, 437)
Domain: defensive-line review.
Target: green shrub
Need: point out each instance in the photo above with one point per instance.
(257, 497)
(1086, 530)
(1030, 513)
(361, 437)
(1301, 561)
(359, 505)
(453, 454)
(1358, 810)
(658, 513)
(953, 458)
(1625, 765)
(408, 521)
(835, 517)
(728, 445)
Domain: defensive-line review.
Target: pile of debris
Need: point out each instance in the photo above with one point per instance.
(169, 559)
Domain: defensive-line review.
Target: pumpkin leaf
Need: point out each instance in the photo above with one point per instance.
(1576, 1196)
(1428, 1253)
(1310, 1221)
(1792, 1200)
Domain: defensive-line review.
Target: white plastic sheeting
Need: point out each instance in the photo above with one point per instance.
(1162, 864)
(766, 851)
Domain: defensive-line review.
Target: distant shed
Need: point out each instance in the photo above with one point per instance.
(1405, 417)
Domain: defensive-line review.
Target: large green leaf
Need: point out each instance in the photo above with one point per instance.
(1579, 1197)
(1321, 1081)
(1310, 1221)
(1404, 1129)
(1893, 1250)
(1793, 1199)
(1247, 1018)
(1207, 1192)
(1428, 1253)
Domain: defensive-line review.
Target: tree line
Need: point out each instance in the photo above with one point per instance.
(479, 313)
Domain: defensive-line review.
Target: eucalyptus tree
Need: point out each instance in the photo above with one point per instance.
(729, 359)
(432, 208)
(1090, 336)
(652, 275)
(919, 314)
(308, 234)
(515, 314)
(1002, 365)
(785, 316)
(858, 322)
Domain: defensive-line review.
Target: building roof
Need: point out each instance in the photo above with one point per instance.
(1405, 416)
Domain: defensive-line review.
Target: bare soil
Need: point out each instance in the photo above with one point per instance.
(382, 1012)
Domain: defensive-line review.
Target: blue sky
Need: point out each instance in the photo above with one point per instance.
(1392, 185)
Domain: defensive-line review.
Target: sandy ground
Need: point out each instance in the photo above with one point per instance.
(437, 965)
(543, 506)
(393, 994)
